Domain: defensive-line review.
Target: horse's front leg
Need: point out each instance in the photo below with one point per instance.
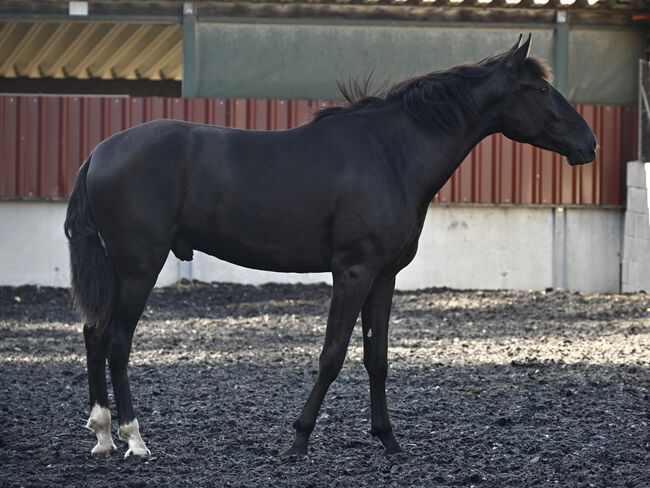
(375, 316)
(350, 289)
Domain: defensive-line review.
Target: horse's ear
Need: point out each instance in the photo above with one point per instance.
(517, 44)
(518, 54)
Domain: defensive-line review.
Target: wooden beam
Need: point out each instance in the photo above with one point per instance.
(167, 33)
(25, 43)
(172, 56)
(173, 68)
(106, 65)
(136, 88)
(6, 31)
(42, 53)
(81, 68)
(80, 42)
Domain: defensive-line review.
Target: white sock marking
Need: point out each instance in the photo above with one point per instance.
(131, 433)
(100, 423)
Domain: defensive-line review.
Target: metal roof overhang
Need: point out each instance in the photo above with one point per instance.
(90, 50)
(142, 41)
(171, 10)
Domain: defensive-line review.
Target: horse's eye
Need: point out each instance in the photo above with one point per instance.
(544, 88)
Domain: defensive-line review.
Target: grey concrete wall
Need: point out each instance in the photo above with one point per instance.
(519, 248)
(461, 247)
(33, 249)
(483, 247)
(636, 240)
(592, 250)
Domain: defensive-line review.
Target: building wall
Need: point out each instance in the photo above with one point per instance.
(524, 248)
(44, 140)
(462, 246)
(636, 247)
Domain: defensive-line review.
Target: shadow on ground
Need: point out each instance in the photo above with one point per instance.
(486, 389)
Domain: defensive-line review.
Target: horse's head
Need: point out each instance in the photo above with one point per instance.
(534, 112)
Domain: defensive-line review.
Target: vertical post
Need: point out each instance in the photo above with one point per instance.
(559, 275)
(190, 47)
(185, 270)
(561, 52)
(639, 156)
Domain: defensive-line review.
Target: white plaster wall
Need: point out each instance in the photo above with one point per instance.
(460, 247)
(483, 247)
(636, 241)
(207, 268)
(34, 250)
(593, 249)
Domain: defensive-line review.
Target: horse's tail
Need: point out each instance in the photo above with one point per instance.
(91, 271)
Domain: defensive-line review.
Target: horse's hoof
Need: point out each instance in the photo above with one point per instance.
(131, 434)
(103, 450)
(395, 453)
(294, 452)
(137, 453)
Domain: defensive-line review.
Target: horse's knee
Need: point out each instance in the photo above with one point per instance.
(327, 373)
(377, 368)
(329, 365)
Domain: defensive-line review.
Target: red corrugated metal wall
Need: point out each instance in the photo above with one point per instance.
(44, 139)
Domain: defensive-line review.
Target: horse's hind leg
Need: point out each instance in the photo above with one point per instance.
(134, 289)
(375, 316)
(136, 271)
(100, 415)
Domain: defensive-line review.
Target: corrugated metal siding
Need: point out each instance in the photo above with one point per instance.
(502, 171)
(43, 141)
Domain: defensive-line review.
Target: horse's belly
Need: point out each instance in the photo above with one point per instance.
(290, 252)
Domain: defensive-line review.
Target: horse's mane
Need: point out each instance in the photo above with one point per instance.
(446, 90)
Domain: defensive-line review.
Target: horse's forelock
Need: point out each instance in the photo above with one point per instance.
(540, 68)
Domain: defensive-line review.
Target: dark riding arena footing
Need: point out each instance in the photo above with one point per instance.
(485, 389)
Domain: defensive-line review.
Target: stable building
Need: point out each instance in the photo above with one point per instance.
(512, 216)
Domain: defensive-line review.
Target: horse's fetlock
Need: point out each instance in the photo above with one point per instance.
(303, 427)
(379, 431)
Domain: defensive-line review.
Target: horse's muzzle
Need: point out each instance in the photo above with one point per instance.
(583, 155)
(579, 157)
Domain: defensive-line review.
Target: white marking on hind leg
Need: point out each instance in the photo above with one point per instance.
(131, 433)
(100, 423)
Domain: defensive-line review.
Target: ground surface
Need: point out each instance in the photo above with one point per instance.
(485, 389)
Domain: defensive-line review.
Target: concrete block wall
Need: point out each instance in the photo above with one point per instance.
(462, 246)
(636, 236)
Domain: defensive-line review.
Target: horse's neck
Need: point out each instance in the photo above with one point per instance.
(433, 156)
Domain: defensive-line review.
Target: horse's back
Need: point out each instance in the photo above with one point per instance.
(249, 197)
(281, 201)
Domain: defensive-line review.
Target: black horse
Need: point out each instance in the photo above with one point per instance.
(346, 193)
